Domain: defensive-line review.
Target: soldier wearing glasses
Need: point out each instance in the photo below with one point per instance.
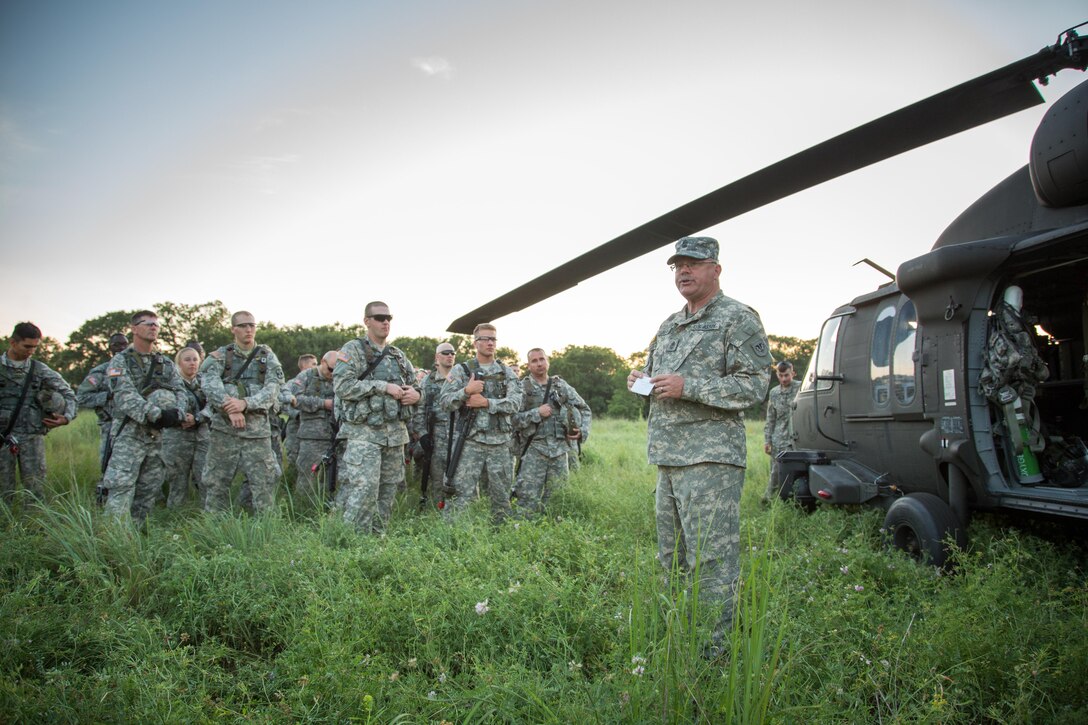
(485, 394)
(148, 396)
(707, 363)
(375, 387)
(434, 423)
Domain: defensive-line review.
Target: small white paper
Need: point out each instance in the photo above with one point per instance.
(642, 386)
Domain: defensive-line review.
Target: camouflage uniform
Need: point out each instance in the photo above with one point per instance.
(94, 394)
(544, 463)
(698, 441)
(232, 450)
(778, 430)
(185, 450)
(486, 451)
(315, 426)
(431, 419)
(374, 424)
(290, 440)
(28, 428)
(134, 477)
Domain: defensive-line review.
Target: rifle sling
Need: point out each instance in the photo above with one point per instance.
(22, 399)
(249, 359)
(529, 440)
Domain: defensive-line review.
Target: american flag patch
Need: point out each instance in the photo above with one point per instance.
(342, 357)
(114, 372)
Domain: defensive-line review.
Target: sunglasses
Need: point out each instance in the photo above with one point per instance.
(445, 352)
(382, 318)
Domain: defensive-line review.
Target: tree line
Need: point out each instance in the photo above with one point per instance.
(598, 373)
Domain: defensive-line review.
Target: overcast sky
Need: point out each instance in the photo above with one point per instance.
(299, 159)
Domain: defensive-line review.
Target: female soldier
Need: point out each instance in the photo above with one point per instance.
(184, 449)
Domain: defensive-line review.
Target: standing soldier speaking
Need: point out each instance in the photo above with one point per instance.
(485, 393)
(25, 384)
(552, 416)
(242, 381)
(778, 430)
(375, 389)
(707, 363)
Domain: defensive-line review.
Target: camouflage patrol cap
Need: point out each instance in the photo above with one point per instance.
(52, 403)
(696, 248)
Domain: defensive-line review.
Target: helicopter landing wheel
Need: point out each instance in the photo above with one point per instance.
(921, 524)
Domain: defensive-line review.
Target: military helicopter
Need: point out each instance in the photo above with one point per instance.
(962, 383)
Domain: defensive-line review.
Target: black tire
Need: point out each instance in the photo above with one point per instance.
(797, 489)
(920, 524)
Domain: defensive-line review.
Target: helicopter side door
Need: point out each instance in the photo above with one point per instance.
(817, 414)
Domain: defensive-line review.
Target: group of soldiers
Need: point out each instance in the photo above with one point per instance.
(363, 406)
(354, 417)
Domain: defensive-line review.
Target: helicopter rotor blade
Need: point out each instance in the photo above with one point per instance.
(989, 97)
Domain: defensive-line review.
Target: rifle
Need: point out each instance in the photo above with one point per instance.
(12, 443)
(549, 396)
(464, 422)
(572, 428)
(328, 460)
(426, 444)
(9, 437)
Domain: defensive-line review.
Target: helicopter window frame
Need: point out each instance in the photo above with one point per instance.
(880, 352)
(904, 345)
(823, 359)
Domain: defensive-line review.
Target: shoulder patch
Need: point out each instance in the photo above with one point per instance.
(342, 356)
(93, 380)
(760, 347)
(114, 372)
(217, 355)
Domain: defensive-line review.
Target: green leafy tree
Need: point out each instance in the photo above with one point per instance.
(597, 373)
(794, 349)
(291, 342)
(89, 345)
(207, 323)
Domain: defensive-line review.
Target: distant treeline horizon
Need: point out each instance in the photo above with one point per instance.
(598, 373)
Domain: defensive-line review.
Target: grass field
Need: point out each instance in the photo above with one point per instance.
(294, 617)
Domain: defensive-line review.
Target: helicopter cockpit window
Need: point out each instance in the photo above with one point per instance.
(880, 355)
(906, 328)
(823, 362)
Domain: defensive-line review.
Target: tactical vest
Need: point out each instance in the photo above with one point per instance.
(195, 396)
(11, 386)
(564, 416)
(233, 361)
(138, 373)
(393, 368)
(316, 424)
(494, 389)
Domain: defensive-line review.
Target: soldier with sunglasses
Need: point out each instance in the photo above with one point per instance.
(375, 387)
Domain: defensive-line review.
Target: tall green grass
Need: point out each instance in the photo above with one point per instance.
(296, 617)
